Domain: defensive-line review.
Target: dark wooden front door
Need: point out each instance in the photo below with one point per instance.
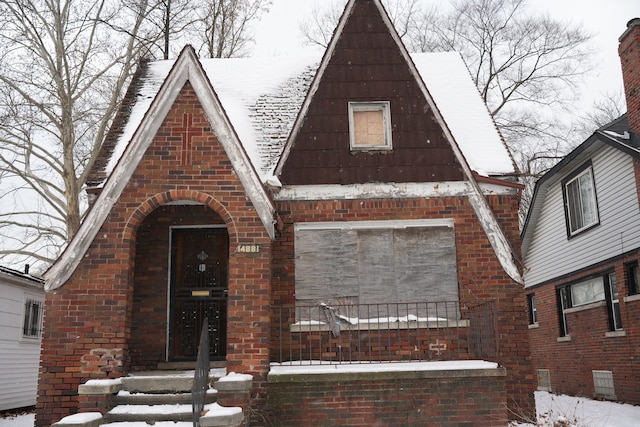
(199, 283)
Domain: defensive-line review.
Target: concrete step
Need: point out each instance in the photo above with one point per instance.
(125, 397)
(164, 381)
(156, 424)
(151, 414)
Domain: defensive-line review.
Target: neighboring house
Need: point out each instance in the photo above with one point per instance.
(21, 306)
(581, 247)
(237, 188)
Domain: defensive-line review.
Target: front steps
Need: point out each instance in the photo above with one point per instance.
(159, 398)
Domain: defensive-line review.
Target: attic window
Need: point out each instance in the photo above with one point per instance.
(581, 206)
(369, 126)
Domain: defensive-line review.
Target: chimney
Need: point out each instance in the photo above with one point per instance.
(629, 51)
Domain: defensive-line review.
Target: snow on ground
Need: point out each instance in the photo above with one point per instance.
(579, 411)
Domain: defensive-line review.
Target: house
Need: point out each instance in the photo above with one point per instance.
(581, 247)
(252, 192)
(21, 304)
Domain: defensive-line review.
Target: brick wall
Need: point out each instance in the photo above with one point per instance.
(571, 361)
(480, 275)
(87, 329)
(420, 399)
(629, 51)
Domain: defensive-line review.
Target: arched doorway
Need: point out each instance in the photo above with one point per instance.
(180, 275)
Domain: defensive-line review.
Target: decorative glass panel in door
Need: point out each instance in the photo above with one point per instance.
(199, 283)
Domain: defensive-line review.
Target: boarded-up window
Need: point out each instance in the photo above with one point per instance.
(375, 262)
(370, 126)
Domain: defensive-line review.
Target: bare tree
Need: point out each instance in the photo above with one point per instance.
(318, 28)
(609, 107)
(64, 65)
(61, 75)
(225, 26)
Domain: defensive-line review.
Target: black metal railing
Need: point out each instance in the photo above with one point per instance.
(201, 376)
(393, 332)
(483, 331)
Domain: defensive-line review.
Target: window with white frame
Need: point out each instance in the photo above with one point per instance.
(32, 323)
(581, 205)
(370, 126)
(613, 303)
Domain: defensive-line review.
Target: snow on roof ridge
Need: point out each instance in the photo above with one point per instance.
(262, 97)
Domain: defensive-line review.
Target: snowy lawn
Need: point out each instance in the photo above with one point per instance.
(582, 412)
(578, 411)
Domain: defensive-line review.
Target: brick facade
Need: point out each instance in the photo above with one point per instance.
(480, 274)
(391, 399)
(88, 324)
(591, 345)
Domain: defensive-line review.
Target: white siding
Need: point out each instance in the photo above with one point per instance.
(19, 357)
(552, 254)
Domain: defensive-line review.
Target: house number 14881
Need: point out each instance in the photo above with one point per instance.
(249, 249)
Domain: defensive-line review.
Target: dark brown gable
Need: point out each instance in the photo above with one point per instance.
(367, 65)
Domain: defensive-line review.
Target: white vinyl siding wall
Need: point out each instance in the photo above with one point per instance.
(552, 254)
(19, 355)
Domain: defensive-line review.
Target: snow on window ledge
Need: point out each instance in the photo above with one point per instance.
(382, 324)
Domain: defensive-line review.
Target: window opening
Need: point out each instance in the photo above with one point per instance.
(370, 126)
(563, 304)
(580, 201)
(533, 312)
(633, 278)
(32, 319)
(615, 318)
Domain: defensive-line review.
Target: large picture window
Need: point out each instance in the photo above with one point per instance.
(369, 126)
(376, 262)
(581, 205)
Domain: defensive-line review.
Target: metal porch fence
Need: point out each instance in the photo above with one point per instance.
(391, 332)
(201, 375)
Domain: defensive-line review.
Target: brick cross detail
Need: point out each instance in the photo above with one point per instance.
(187, 132)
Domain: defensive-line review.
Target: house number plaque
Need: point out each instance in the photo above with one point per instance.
(248, 248)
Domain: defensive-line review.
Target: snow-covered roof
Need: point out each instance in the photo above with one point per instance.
(262, 97)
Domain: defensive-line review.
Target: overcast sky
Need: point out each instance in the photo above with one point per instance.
(278, 33)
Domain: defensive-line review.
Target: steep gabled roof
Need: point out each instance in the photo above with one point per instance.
(139, 136)
(254, 109)
(485, 214)
(262, 98)
(615, 134)
(478, 145)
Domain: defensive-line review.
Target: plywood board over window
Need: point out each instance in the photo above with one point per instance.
(370, 126)
(378, 262)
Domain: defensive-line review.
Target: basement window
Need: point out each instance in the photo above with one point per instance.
(603, 384)
(369, 126)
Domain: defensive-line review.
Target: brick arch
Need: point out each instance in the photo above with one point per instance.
(161, 199)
